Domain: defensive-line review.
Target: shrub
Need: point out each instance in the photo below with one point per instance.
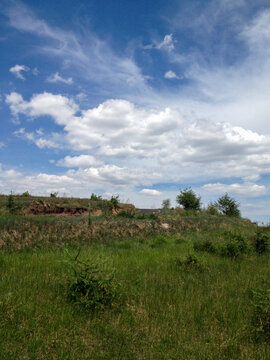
(54, 194)
(212, 209)
(166, 205)
(125, 214)
(189, 200)
(26, 194)
(91, 285)
(261, 315)
(228, 206)
(261, 242)
(114, 201)
(12, 205)
(234, 246)
(95, 197)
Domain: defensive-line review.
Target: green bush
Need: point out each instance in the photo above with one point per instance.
(228, 206)
(234, 245)
(261, 242)
(125, 214)
(91, 285)
(261, 315)
(189, 200)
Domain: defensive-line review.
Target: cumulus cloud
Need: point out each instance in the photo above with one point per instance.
(121, 133)
(151, 192)
(57, 78)
(17, 71)
(245, 189)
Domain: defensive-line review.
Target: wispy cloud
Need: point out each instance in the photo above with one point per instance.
(57, 78)
(17, 71)
(87, 55)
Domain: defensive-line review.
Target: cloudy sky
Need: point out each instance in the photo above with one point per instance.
(139, 98)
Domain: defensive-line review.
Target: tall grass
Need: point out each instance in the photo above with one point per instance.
(172, 302)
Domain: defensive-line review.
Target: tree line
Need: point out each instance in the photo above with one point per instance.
(189, 200)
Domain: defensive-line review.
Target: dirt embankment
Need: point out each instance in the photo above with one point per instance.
(44, 209)
(38, 208)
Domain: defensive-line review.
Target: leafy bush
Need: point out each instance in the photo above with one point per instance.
(261, 242)
(91, 285)
(54, 194)
(114, 201)
(212, 209)
(95, 197)
(228, 206)
(234, 246)
(261, 315)
(26, 194)
(125, 214)
(189, 200)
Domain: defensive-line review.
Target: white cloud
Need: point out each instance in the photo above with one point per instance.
(167, 43)
(81, 161)
(1, 144)
(128, 136)
(171, 75)
(151, 192)
(17, 71)
(245, 189)
(36, 138)
(57, 78)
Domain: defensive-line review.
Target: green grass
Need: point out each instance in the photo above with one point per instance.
(166, 309)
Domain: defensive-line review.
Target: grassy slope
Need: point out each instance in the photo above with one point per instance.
(165, 311)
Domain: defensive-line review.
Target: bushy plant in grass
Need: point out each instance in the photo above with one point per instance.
(234, 245)
(261, 242)
(261, 315)
(91, 284)
(12, 205)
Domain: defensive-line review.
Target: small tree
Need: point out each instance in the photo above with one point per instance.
(228, 206)
(166, 205)
(189, 200)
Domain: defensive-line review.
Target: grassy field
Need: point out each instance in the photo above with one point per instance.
(186, 292)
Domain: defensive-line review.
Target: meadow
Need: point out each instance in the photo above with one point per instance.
(198, 288)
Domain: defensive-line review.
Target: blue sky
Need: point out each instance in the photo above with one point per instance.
(137, 98)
